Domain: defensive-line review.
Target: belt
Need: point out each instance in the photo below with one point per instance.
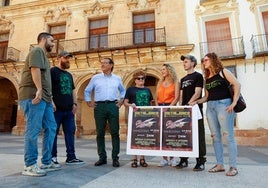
(106, 102)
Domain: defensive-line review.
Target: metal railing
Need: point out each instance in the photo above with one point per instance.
(111, 41)
(225, 49)
(259, 44)
(9, 54)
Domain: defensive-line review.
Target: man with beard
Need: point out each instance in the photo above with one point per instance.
(65, 106)
(35, 100)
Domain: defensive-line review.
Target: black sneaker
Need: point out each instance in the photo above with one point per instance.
(199, 167)
(74, 162)
(182, 164)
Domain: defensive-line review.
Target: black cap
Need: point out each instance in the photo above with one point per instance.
(65, 54)
(190, 57)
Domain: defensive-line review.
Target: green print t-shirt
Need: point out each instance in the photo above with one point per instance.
(62, 89)
(139, 96)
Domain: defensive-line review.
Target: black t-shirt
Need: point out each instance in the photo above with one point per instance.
(188, 85)
(139, 96)
(217, 88)
(62, 89)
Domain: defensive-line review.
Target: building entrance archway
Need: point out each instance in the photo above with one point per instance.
(8, 105)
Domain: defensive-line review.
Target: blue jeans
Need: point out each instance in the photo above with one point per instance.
(66, 118)
(221, 124)
(38, 116)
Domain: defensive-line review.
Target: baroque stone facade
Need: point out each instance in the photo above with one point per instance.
(183, 31)
(85, 65)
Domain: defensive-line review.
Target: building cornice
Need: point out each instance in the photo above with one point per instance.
(30, 5)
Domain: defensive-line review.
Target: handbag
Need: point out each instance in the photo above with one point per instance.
(241, 103)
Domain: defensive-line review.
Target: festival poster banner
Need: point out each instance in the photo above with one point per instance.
(163, 131)
(177, 129)
(145, 133)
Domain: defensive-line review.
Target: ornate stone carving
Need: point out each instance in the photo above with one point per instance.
(64, 12)
(153, 2)
(5, 24)
(60, 14)
(216, 7)
(254, 3)
(49, 15)
(199, 9)
(132, 4)
(98, 8)
(142, 4)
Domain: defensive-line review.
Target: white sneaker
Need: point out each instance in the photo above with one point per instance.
(173, 163)
(33, 170)
(163, 162)
(50, 167)
(55, 161)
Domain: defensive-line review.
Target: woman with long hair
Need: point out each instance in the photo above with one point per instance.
(220, 110)
(167, 94)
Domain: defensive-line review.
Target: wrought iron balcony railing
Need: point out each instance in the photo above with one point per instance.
(225, 49)
(259, 44)
(9, 54)
(148, 37)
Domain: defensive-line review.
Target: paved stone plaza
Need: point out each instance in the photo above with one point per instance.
(252, 167)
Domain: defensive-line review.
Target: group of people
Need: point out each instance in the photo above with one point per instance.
(47, 98)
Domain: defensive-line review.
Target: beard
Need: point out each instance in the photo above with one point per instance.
(48, 47)
(65, 65)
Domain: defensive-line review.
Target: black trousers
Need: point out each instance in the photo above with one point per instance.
(201, 140)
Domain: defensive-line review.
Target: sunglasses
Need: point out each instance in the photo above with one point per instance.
(205, 60)
(140, 78)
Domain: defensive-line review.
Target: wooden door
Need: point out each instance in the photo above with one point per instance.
(219, 37)
(3, 50)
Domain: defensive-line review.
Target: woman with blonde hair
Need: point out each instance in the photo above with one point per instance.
(167, 94)
(220, 110)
